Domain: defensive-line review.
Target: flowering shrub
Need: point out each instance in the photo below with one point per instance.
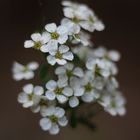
(76, 73)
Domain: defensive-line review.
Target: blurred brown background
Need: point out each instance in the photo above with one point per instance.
(19, 18)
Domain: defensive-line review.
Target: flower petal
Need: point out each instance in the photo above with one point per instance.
(38, 90)
(63, 49)
(61, 99)
(61, 61)
(73, 102)
(36, 37)
(59, 112)
(63, 121)
(51, 85)
(54, 129)
(78, 72)
(28, 44)
(51, 27)
(68, 91)
(62, 39)
(28, 88)
(33, 65)
(50, 95)
(78, 92)
(62, 30)
(51, 60)
(68, 55)
(45, 124)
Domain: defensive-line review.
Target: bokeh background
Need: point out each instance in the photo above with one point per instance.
(20, 18)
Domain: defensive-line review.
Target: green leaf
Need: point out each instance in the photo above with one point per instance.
(44, 73)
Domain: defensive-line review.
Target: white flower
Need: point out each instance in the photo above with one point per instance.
(55, 90)
(82, 16)
(54, 117)
(83, 38)
(30, 96)
(67, 71)
(42, 104)
(37, 42)
(101, 67)
(60, 55)
(24, 72)
(114, 104)
(55, 35)
(83, 52)
(112, 55)
(92, 87)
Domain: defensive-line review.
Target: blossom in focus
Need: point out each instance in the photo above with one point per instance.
(37, 42)
(55, 35)
(60, 55)
(53, 118)
(67, 71)
(26, 72)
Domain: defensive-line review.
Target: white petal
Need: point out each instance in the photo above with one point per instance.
(99, 26)
(62, 30)
(61, 99)
(52, 45)
(63, 49)
(78, 92)
(114, 55)
(105, 72)
(38, 90)
(18, 76)
(28, 75)
(35, 108)
(28, 44)
(51, 27)
(36, 37)
(68, 56)
(68, 12)
(59, 112)
(68, 91)
(54, 129)
(87, 26)
(63, 121)
(45, 38)
(60, 70)
(62, 39)
(33, 65)
(50, 95)
(61, 61)
(44, 48)
(22, 97)
(28, 104)
(69, 66)
(47, 111)
(78, 72)
(51, 60)
(28, 88)
(62, 81)
(45, 124)
(91, 64)
(73, 102)
(51, 85)
(88, 98)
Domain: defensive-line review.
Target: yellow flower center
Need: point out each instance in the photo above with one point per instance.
(37, 45)
(54, 35)
(58, 90)
(58, 55)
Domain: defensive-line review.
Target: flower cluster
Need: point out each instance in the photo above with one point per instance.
(80, 74)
